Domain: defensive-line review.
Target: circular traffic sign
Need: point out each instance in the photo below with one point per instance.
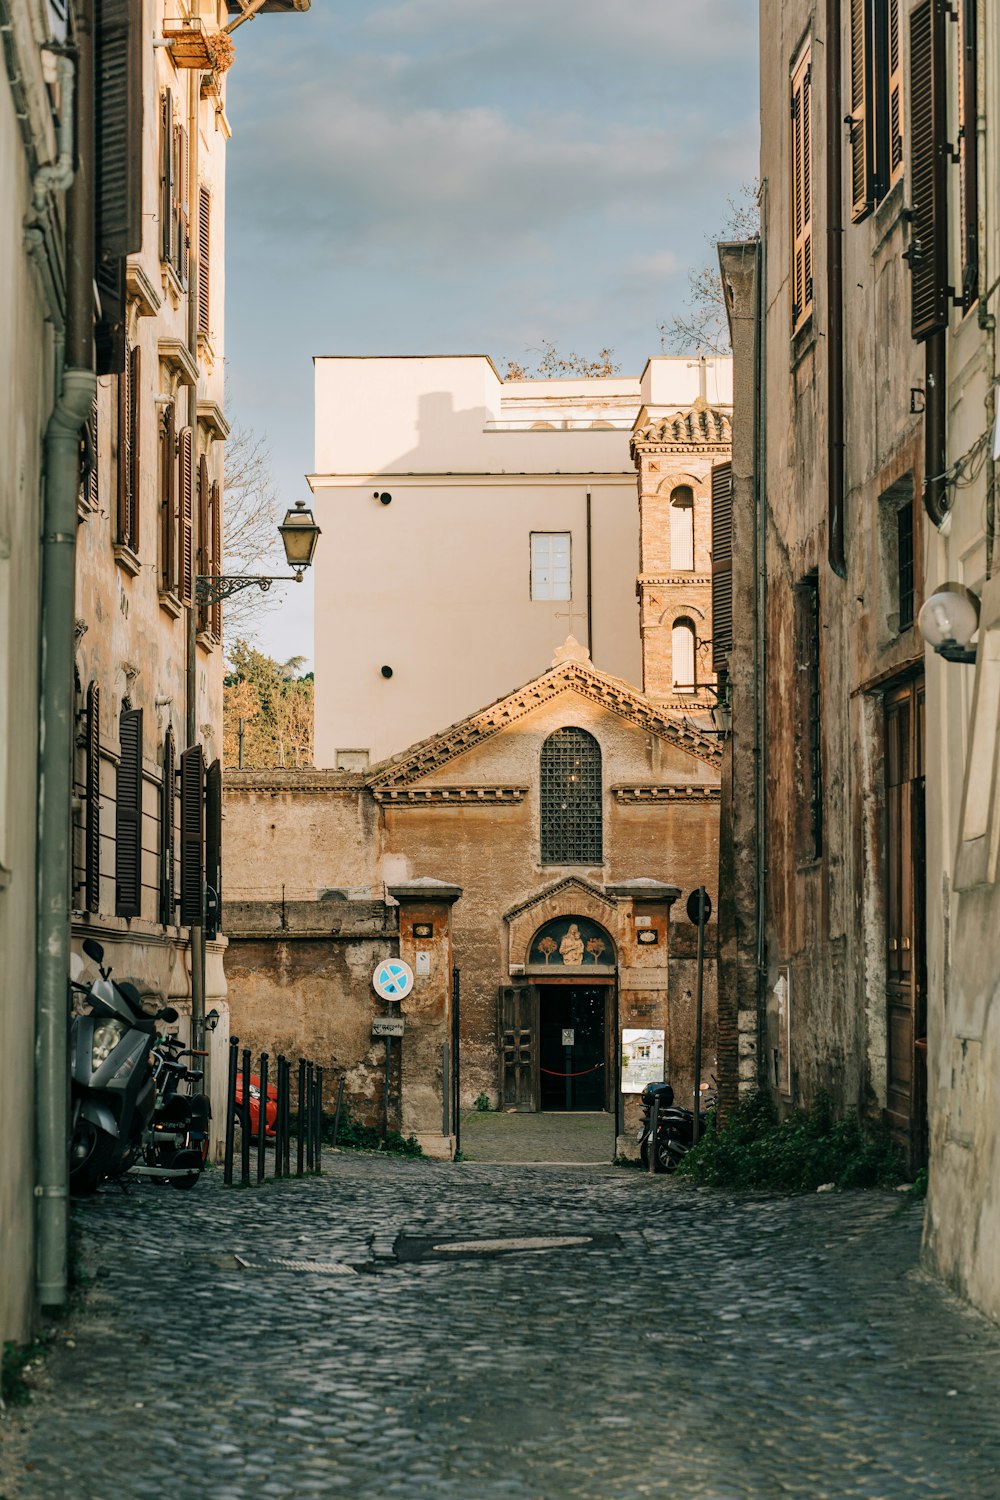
(393, 979)
(692, 907)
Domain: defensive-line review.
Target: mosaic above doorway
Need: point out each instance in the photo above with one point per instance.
(573, 943)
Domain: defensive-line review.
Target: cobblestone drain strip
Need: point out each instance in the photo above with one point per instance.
(322, 1267)
(419, 1247)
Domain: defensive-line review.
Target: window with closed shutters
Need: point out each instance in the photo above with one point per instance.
(722, 565)
(213, 831)
(861, 116)
(928, 249)
(203, 550)
(204, 259)
(894, 93)
(128, 816)
(118, 138)
(92, 825)
(129, 392)
(682, 656)
(682, 529)
(876, 118)
(167, 844)
(570, 797)
(802, 228)
(186, 570)
(168, 502)
(968, 140)
(192, 836)
(174, 241)
(215, 507)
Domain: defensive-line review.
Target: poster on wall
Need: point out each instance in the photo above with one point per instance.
(642, 1059)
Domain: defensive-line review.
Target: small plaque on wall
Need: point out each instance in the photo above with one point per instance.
(644, 921)
(648, 936)
(423, 929)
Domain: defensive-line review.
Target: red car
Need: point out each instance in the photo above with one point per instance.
(271, 1113)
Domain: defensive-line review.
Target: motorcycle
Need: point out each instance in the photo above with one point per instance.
(177, 1136)
(674, 1126)
(113, 1085)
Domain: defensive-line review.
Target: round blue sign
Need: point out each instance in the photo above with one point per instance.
(393, 979)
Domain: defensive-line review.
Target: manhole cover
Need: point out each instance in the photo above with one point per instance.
(320, 1267)
(414, 1247)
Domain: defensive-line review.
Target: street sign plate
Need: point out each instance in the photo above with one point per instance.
(568, 1037)
(692, 907)
(393, 979)
(387, 1026)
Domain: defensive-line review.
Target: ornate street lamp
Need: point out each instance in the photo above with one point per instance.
(298, 532)
(948, 621)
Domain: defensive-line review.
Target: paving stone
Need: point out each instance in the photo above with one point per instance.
(718, 1348)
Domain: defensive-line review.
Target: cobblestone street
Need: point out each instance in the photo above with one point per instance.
(696, 1346)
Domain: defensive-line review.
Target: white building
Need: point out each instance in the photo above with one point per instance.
(469, 525)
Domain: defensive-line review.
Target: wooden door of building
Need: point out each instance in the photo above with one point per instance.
(518, 1046)
(906, 968)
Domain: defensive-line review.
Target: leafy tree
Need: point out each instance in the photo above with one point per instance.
(704, 328)
(551, 365)
(250, 541)
(274, 700)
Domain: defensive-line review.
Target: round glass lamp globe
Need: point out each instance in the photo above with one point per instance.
(950, 615)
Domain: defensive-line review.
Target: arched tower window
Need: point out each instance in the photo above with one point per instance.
(571, 812)
(682, 529)
(682, 656)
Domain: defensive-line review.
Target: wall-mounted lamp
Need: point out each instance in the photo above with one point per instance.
(948, 621)
(298, 532)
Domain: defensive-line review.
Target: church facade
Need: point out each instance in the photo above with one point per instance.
(531, 861)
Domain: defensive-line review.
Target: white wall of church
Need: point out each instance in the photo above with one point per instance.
(435, 584)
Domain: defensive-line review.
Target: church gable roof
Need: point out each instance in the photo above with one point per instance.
(569, 675)
(695, 427)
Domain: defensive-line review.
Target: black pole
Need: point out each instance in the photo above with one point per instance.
(300, 1140)
(319, 1119)
(385, 1089)
(445, 1092)
(279, 1121)
(227, 1169)
(696, 1122)
(336, 1113)
(654, 1130)
(456, 1066)
(287, 1147)
(568, 1064)
(262, 1120)
(245, 1137)
(310, 1104)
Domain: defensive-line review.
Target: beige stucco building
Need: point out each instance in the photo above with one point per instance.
(858, 887)
(469, 524)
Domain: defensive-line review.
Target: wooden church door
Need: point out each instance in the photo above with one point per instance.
(518, 1047)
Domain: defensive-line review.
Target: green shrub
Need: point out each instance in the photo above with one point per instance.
(17, 1362)
(353, 1136)
(482, 1104)
(756, 1150)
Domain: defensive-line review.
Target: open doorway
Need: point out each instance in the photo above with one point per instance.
(573, 1054)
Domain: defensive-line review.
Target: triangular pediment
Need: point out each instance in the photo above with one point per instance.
(559, 888)
(573, 676)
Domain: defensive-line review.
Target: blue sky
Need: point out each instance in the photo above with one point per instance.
(468, 176)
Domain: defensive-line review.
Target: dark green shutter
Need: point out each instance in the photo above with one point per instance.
(128, 816)
(969, 151)
(92, 862)
(117, 168)
(192, 836)
(213, 829)
(167, 914)
(928, 252)
(722, 564)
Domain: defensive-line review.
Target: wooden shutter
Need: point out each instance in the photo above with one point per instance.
(213, 827)
(204, 258)
(167, 830)
(216, 568)
(192, 836)
(802, 288)
(722, 565)
(134, 431)
(128, 816)
(90, 492)
(969, 151)
(862, 114)
(118, 128)
(186, 484)
(182, 262)
(122, 526)
(92, 858)
(895, 92)
(168, 501)
(928, 252)
(204, 537)
(167, 180)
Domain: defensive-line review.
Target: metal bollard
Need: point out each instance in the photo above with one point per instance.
(227, 1169)
(245, 1140)
(310, 1111)
(319, 1119)
(287, 1148)
(262, 1120)
(654, 1126)
(279, 1121)
(300, 1140)
(336, 1113)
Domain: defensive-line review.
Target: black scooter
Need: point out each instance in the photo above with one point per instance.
(674, 1126)
(113, 1086)
(177, 1137)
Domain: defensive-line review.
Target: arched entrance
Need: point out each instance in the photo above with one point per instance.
(571, 972)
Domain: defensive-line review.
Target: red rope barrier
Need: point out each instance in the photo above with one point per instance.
(582, 1074)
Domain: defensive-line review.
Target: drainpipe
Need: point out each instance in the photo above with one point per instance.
(835, 292)
(760, 602)
(56, 176)
(197, 931)
(55, 737)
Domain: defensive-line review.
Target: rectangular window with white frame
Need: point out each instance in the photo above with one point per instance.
(551, 565)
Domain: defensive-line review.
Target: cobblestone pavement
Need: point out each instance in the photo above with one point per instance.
(702, 1346)
(501, 1137)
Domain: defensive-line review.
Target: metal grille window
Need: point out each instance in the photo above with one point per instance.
(551, 571)
(571, 812)
(904, 537)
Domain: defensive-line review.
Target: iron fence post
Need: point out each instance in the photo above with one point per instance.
(654, 1131)
(262, 1120)
(279, 1123)
(336, 1115)
(319, 1119)
(227, 1169)
(300, 1140)
(245, 1135)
